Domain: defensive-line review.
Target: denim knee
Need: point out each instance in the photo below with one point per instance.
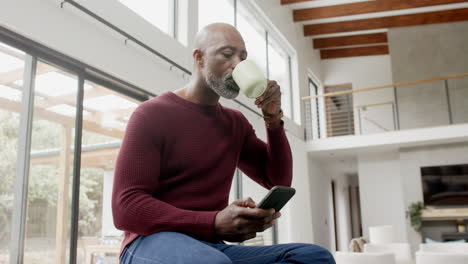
(325, 254)
(212, 259)
(171, 248)
(315, 254)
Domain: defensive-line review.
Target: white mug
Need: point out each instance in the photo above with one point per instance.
(249, 78)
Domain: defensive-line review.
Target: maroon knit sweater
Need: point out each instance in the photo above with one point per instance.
(176, 164)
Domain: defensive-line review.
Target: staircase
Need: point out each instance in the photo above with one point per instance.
(340, 117)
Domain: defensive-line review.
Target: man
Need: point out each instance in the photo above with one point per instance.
(176, 164)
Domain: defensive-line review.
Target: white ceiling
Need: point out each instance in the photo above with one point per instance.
(322, 3)
(311, 4)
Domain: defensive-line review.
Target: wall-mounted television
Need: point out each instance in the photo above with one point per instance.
(445, 185)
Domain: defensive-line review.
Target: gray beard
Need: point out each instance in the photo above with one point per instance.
(224, 86)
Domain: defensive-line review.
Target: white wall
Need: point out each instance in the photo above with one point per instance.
(343, 212)
(322, 172)
(416, 58)
(300, 213)
(321, 204)
(381, 191)
(364, 72)
(411, 161)
(355, 213)
(338, 170)
(391, 181)
(108, 228)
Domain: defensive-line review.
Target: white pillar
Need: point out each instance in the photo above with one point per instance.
(108, 228)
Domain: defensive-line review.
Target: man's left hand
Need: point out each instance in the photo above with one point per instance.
(270, 100)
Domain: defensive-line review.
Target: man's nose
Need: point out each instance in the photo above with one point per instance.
(236, 61)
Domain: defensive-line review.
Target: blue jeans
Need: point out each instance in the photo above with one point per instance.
(177, 248)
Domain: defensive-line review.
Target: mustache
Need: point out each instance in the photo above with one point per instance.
(228, 77)
(229, 82)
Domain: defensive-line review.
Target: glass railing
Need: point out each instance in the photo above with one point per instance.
(425, 103)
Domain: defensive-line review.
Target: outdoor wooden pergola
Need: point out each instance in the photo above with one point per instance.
(95, 121)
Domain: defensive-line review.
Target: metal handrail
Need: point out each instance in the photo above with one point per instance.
(376, 124)
(376, 104)
(453, 76)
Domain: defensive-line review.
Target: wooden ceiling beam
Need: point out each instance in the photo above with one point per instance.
(387, 22)
(10, 77)
(364, 8)
(322, 43)
(353, 52)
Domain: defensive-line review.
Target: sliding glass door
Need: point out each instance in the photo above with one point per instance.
(12, 66)
(106, 114)
(47, 236)
(55, 195)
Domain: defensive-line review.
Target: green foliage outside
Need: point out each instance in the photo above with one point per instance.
(43, 180)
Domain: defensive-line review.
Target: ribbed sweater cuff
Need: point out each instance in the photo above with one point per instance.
(206, 221)
(277, 131)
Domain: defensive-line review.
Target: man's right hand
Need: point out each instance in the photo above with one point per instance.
(241, 220)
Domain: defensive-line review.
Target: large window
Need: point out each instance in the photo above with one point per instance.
(312, 108)
(218, 11)
(255, 39)
(279, 70)
(48, 215)
(103, 130)
(267, 52)
(159, 13)
(48, 193)
(11, 69)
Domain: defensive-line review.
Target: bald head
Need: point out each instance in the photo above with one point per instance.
(216, 34)
(218, 48)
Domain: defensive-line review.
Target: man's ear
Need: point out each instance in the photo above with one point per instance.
(198, 57)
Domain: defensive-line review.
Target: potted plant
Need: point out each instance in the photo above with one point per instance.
(414, 214)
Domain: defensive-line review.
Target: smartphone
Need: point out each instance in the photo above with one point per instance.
(277, 197)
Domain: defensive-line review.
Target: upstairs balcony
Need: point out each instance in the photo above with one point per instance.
(402, 114)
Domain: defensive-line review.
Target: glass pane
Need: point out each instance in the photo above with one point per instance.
(48, 209)
(103, 130)
(256, 192)
(158, 13)
(278, 65)
(377, 118)
(254, 37)
(218, 11)
(11, 69)
(423, 105)
(233, 194)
